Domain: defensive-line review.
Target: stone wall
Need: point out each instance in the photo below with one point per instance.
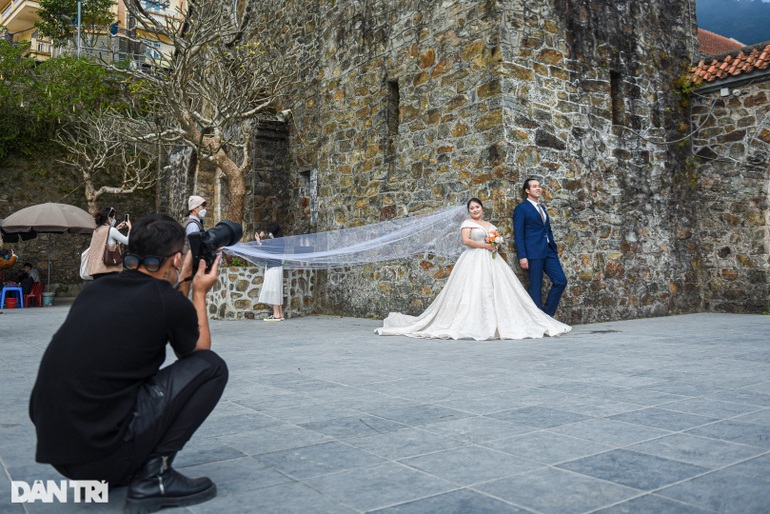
(40, 178)
(732, 170)
(235, 295)
(408, 106)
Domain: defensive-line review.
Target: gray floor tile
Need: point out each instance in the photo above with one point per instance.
(644, 397)
(461, 501)
(701, 451)
(200, 450)
(555, 491)
(711, 408)
(539, 416)
(632, 469)
(213, 427)
(606, 431)
(759, 418)
(403, 443)
(417, 390)
(292, 498)
(308, 413)
(238, 475)
(354, 426)
(296, 382)
(471, 464)
(652, 504)
(420, 414)
(746, 396)
(547, 447)
(737, 432)
(758, 468)
(379, 486)
(686, 388)
(724, 492)
(663, 418)
(273, 438)
(477, 429)
(488, 403)
(594, 407)
(259, 399)
(318, 459)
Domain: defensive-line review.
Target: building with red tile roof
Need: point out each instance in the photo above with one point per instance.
(712, 43)
(748, 63)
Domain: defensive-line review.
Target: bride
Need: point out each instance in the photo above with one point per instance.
(482, 298)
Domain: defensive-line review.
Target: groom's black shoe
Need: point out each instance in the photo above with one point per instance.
(157, 485)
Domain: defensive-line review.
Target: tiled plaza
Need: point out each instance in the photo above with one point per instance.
(665, 415)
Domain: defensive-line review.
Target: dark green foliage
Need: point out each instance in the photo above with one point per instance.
(58, 18)
(36, 99)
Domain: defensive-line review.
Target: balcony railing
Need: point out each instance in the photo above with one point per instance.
(43, 47)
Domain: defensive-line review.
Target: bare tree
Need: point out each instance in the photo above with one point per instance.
(96, 145)
(206, 84)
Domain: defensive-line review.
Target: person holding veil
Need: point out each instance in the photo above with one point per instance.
(272, 286)
(482, 299)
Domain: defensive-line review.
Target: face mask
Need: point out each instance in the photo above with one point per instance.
(113, 222)
(202, 213)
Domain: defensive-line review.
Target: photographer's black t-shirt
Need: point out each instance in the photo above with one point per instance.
(114, 339)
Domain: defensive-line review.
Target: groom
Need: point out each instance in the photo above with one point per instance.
(536, 249)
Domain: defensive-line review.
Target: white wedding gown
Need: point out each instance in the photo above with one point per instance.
(482, 299)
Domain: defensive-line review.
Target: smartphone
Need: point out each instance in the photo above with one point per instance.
(125, 217)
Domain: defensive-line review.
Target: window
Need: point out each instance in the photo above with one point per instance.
(156, 5)
(152, 50)
(617, 98)
(394, 101)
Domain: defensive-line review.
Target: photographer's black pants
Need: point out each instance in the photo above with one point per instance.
(169, 409)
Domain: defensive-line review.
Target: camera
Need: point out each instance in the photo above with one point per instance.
(204, 245)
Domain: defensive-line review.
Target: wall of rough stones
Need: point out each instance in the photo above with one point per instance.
(235, 295)
(407, 106)
(732, 170)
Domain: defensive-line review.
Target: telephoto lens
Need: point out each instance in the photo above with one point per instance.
(204, 245)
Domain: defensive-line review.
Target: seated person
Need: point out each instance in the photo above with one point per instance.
(28, 277)
(102, 407)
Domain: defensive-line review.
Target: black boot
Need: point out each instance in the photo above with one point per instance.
(157, 485)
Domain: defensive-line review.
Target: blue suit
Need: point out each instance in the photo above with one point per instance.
(534, 242)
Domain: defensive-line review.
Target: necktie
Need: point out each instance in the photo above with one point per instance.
(542, 212)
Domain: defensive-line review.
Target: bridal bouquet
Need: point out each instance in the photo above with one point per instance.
(495, 239)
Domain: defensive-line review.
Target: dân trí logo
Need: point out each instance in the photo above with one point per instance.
(61, 491)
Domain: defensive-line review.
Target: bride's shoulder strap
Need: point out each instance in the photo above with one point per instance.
(469, 224)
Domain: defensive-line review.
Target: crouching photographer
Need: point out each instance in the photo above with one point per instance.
(102, 407)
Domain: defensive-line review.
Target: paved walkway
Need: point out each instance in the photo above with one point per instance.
(666, 415)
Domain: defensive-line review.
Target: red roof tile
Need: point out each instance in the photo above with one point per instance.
(714, 44)
(747, 60)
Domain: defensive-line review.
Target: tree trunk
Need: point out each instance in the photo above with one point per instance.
(90, 194)
(236, 184)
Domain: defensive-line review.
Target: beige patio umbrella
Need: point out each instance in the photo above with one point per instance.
(56, 218)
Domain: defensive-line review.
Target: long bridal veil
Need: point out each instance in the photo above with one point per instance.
(435, 233)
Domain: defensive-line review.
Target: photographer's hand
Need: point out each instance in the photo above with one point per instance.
(202, 282)
(185, 276)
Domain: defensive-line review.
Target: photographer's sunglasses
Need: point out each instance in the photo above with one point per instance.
(151, 262)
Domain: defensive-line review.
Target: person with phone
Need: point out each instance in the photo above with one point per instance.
(107, 234)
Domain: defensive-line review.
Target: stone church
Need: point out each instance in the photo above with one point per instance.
(402, 107)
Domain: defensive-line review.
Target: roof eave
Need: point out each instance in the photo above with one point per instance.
(740, 80)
